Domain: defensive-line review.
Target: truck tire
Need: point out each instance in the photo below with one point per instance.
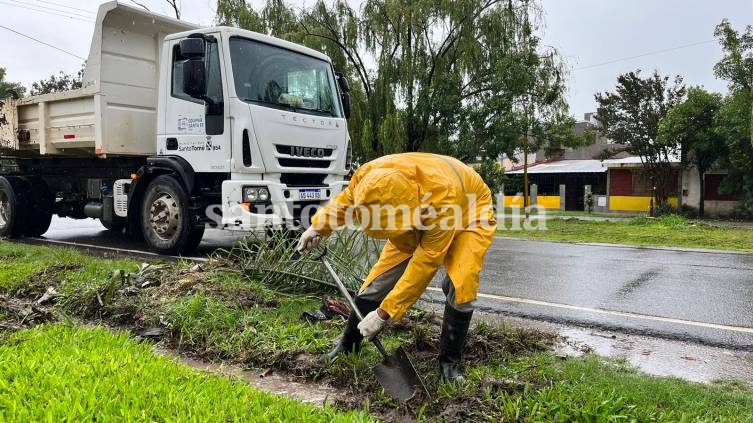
(167, 221)
(15, 198)
(40, 213)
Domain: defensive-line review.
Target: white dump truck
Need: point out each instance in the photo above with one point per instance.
(177, 128)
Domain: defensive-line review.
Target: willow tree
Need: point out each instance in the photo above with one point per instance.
(443, 76)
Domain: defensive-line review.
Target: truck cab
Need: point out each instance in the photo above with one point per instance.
(177, 129)
(265, 115)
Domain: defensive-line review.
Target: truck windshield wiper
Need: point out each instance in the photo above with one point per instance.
(290, 107)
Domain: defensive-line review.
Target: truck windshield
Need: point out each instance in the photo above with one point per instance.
(279, 78)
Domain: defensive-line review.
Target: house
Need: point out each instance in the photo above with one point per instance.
(610, 179)
(630, 188)
(564, 181)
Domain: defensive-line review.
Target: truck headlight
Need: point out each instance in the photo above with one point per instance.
(253, 194)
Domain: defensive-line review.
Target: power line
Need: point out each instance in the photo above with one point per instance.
(42, 42)
(66, 6)
(48, 12)
(51, 9)
(651, 53)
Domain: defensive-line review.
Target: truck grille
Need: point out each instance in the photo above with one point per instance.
(302, 180)
(291, 150)
(315, 164)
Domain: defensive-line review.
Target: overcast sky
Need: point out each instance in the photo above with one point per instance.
(599, 39)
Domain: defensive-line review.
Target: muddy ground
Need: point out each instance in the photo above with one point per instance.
(129, 301)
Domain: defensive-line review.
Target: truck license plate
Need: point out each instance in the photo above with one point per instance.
(310, 194)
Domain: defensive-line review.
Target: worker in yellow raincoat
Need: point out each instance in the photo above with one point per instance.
(433, 210)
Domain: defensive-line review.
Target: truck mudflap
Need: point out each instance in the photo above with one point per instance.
(286, 204)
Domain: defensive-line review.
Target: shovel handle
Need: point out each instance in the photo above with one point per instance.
(344, 291)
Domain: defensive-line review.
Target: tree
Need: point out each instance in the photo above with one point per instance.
(172, 3)
(430, 76)
(733, 124)
(7, 87)
(736, 67)
(57, 83)
(630, 116)
(492, 173)
(692, 125)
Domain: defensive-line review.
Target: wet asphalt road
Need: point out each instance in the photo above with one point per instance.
(695, 296)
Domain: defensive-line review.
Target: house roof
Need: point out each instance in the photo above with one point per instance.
(565, 166)
(635, 161)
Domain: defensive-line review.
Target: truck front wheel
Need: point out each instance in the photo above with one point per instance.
(167, 221)
(15, 198)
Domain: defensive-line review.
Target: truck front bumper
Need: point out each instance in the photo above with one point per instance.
(285, 205)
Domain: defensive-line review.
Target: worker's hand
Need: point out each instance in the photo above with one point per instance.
(309, 240)
(372, 324)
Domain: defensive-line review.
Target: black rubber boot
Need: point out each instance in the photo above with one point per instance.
(454, 331)
(350, 342)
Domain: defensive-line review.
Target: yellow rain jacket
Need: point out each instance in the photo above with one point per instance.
(438, 211)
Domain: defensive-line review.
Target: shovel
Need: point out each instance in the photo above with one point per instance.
(396, 372)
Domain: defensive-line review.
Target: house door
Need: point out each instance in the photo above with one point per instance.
(574, 190)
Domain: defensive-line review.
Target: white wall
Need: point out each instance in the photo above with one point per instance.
(692, 187)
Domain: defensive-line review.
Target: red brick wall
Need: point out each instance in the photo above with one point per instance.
(711, 189)
(620, 182)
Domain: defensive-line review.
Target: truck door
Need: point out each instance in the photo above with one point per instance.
(197, 130)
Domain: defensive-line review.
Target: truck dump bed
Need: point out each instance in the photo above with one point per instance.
(115, 113)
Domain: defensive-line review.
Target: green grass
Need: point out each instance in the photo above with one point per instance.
(62, 373)
(220, 315)
(593, 389)
(668, 231)
(19, 263)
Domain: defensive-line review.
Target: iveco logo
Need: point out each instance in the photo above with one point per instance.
(307, 152)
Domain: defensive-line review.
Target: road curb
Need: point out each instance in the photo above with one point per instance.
(109, 252)
(630, 246)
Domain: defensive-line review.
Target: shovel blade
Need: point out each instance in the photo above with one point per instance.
(398, 377)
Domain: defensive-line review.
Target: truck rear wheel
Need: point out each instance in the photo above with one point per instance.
(167, 221)
(40, 213)
(15, 197)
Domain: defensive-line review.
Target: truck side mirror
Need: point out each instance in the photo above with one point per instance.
(345, 97)
(194, 70)
(195, 78)
(343, 82)
(193, 48)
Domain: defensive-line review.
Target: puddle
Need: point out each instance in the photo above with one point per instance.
(660, 357)
(309, 392)
(654, 356)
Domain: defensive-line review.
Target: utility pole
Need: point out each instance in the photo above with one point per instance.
(528, 115)
(525, 175)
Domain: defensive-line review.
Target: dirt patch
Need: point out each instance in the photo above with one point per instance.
(30, 306)
(16, 314)
(197, 280)
(51, 276)
(485, 345)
